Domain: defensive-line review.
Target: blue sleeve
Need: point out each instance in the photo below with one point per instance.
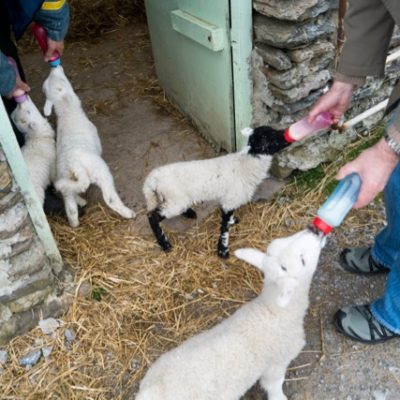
(7, 76)
(54, 17)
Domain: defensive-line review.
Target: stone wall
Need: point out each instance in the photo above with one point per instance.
(293, 62)
(29, 288)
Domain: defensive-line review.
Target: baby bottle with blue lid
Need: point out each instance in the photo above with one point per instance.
(334, 210)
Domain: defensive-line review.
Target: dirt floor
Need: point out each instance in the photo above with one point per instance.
(114, 77)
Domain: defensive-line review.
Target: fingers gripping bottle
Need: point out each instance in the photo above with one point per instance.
(338, 204)
(41, 37)
(303, 128)
(20, 98)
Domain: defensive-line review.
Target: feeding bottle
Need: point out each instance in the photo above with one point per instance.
(41, 37)
(338, 204)
(20, 95)
(303, 128)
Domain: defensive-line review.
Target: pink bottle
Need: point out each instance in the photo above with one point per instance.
(20, 95)
(303, 128)
(41, 37)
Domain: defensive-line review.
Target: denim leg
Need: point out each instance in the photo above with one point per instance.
(387, 242)
(386, 249)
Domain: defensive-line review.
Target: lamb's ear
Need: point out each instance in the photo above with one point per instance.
(286, 286)
(252, 256)
(246, 132)
(48, 105)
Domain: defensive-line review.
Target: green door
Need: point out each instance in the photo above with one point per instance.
(201, 50)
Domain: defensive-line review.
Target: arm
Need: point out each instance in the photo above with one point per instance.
(369, 28)
(54, 17)
(10, 84)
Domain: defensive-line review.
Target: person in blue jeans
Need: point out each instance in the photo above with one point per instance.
(369, 26)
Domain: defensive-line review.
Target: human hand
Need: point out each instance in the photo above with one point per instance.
(52, 48)
(374, 165)
(20, 88)
(336, 101)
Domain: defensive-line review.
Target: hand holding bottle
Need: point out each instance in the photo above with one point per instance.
(336, 101)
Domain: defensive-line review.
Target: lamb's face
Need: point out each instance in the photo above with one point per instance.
(28, 119)
(264, 140)
(288, 262)
(56, 88)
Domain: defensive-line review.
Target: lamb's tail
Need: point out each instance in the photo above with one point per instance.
(77, 182)
(150, 192)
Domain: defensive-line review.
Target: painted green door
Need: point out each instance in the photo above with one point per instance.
(200, 56)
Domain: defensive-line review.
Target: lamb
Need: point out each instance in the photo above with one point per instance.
(79, 161)
(231, 180)
(39, 150)
(256, 343)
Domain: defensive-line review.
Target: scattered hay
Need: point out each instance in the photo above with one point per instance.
(142, 302)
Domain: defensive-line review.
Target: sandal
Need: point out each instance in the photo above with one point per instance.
(358, 323)
(359, 260)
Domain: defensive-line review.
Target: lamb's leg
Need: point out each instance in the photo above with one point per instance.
(190, 213)
(105, 182)
(80, 200)
(272, 382)
(155, 218)
(227, 220)
(71, 208)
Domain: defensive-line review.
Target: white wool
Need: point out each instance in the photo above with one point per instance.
(79, 161)
(231, 180)
(39, 150)
(256, 343)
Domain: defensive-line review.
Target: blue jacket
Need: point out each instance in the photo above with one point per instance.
(53, 15)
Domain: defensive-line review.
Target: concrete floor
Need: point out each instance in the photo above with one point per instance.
(114, 77)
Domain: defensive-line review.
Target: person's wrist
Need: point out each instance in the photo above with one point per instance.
(387, 151)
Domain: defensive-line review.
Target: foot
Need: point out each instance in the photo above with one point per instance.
(358, 323)
(359, 261)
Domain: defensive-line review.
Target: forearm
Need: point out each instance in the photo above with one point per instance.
(54, 17)
(368, 27)
(8, 76)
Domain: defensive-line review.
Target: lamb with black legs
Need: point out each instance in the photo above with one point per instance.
(231, 180)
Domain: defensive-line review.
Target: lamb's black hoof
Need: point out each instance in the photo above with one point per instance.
(190, 213)
(236, 220)
(166, 246)
(223, 253)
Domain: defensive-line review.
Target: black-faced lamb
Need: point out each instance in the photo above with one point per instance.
(79, 161)
(231, 180)
(39, 149)
(256, 343)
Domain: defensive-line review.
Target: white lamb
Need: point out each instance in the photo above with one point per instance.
(39, 149)
(256, 343)
(231, 180)
(79, 161)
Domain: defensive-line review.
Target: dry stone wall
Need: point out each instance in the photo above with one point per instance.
(292, 66)
(29, 288)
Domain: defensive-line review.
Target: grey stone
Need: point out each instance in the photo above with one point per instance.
(27, 262)
(70, 335)
(46, 351)
(12, 220)
(289, 35)
(308, 84)
(9, 200)
(5, 179)
(49, 325)
(37, 296)
(295, 76)
(3, 357)
(292, 10)
(30, 358)
(311, 152)
(321, 48)
(17, 243)
(274, 57)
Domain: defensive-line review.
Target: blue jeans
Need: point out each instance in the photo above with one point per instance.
(386, 251)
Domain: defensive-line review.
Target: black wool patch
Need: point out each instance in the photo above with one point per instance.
(266, 140)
